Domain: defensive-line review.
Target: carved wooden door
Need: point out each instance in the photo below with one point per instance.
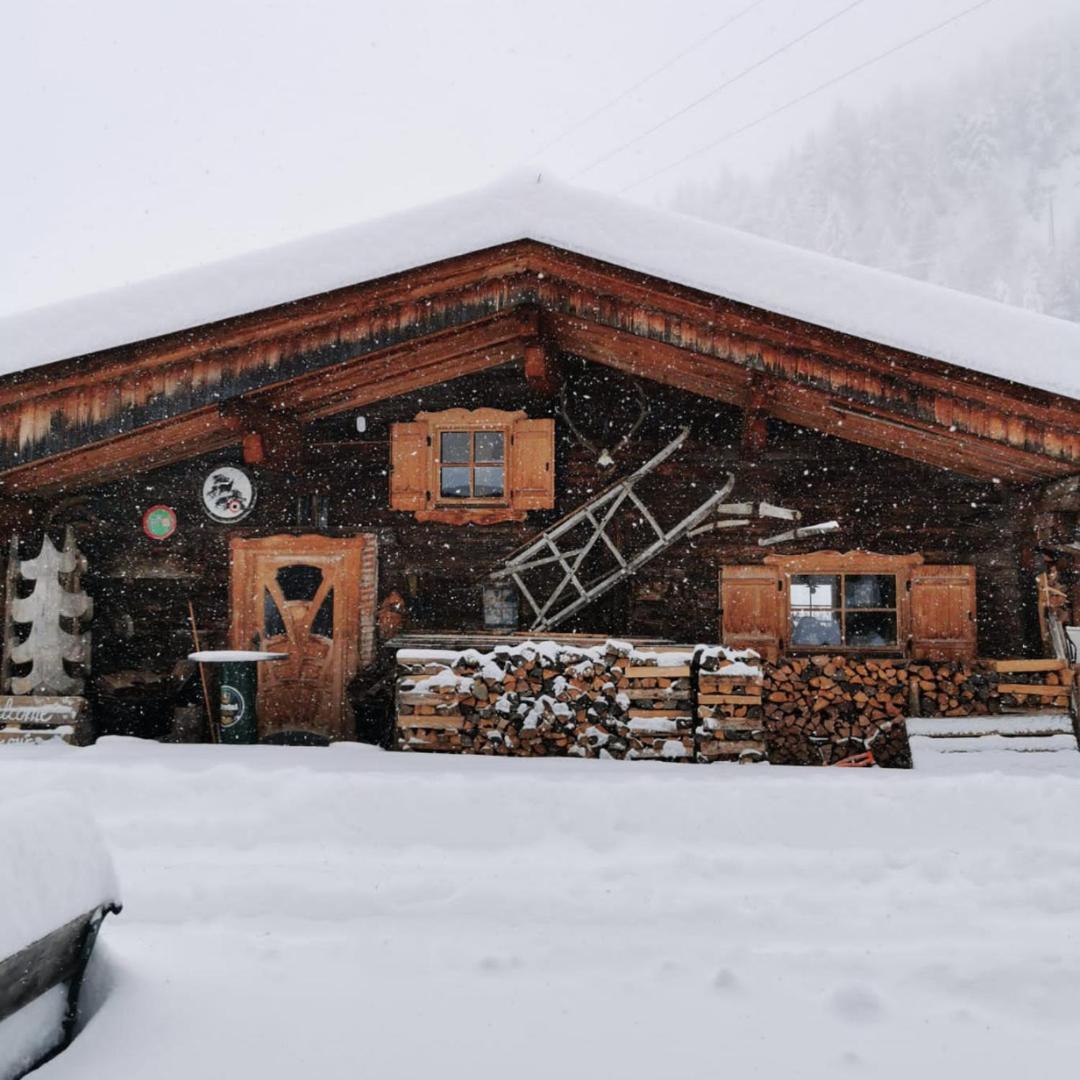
(302, 595)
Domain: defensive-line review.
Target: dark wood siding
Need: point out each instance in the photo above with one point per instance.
(885, 503)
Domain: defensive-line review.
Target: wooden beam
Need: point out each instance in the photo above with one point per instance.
(394, 371)
(147, 448)
(405, 368)
(800, 405)
(755, 432)
(543, 372)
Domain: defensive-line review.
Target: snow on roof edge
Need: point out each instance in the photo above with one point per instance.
(928, 320)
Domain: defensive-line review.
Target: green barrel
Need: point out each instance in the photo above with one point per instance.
(239, 685)
(236, 713)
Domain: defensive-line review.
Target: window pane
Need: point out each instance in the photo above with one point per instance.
(815, 591)
(488, 481)
(454, 447)
(299, 582)
(323, 623)
(454, 482)
(810, 626)
(273, 623)
(870, 590)
(488, 446)
(869, 628)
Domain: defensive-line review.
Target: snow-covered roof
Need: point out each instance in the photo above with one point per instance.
(968, 331)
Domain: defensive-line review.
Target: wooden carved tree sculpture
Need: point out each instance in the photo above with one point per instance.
(57, 596)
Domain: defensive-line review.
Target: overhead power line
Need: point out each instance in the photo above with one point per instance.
(717, 89)
(667, 65)
(809, 93)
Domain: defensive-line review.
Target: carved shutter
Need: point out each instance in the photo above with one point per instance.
(532, 463)
(943, 623)
(410, 466)
(753, 609)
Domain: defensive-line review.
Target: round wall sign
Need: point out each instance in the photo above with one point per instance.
(228, 494)
(159, 522)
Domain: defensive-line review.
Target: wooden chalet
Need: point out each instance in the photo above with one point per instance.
(343, 443)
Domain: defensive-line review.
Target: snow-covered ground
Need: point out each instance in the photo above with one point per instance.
(345, 912)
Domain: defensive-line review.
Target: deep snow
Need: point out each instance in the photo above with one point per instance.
(955, 327)
(339, 912)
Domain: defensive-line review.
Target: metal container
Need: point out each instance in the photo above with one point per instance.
(239, 688)
(500, 607)
(236, 710)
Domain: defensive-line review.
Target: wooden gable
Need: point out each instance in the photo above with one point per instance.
(92, 418)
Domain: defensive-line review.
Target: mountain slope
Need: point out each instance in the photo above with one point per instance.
(973, 183)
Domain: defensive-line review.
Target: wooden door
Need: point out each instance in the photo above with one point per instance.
(312, 597)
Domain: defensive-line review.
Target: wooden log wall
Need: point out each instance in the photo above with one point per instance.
(885, 503)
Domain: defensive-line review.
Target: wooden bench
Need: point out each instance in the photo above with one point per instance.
(57, 884)
(57, 960)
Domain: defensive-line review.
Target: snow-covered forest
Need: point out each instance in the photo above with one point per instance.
(971, 182)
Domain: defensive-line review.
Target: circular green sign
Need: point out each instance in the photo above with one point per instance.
(159, 522)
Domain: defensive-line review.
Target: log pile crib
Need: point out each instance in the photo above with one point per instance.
(697, 703)
(613, 700)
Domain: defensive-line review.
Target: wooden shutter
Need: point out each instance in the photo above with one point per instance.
(532, 465)
(943, 612)
(410, 466)
(753, 609)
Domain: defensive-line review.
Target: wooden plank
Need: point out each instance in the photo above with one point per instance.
(429, 697)
(1012, 727)
(431, 723)
(733, 746)
(729, 699)
(1013, 666)
(657, 672)
(653, 714)
(1036, 689)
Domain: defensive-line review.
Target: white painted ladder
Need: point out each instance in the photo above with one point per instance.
(598, 513)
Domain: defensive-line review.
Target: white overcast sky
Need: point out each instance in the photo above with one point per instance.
(143, 136)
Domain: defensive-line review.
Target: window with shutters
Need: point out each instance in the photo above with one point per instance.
(856, 601)
(477, 466)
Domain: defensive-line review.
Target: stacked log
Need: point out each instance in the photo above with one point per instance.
(545, 699)
(1031, 685)
(431, 718)
(818, 708)
(731, 719)
(698, 704)
(658, 719)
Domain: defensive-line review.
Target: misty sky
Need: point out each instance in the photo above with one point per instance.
(144, 136)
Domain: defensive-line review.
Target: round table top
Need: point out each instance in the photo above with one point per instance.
(233, 656)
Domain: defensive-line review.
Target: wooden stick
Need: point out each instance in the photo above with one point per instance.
(210, 720)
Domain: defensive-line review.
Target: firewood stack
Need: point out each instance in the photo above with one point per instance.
(543, 699)
(658, 722)
(1030, 685)
(847, 699)
(833, 698)
(614, 701)
(729, 707)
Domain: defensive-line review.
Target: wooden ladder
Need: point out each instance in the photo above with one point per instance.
(598, 513)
